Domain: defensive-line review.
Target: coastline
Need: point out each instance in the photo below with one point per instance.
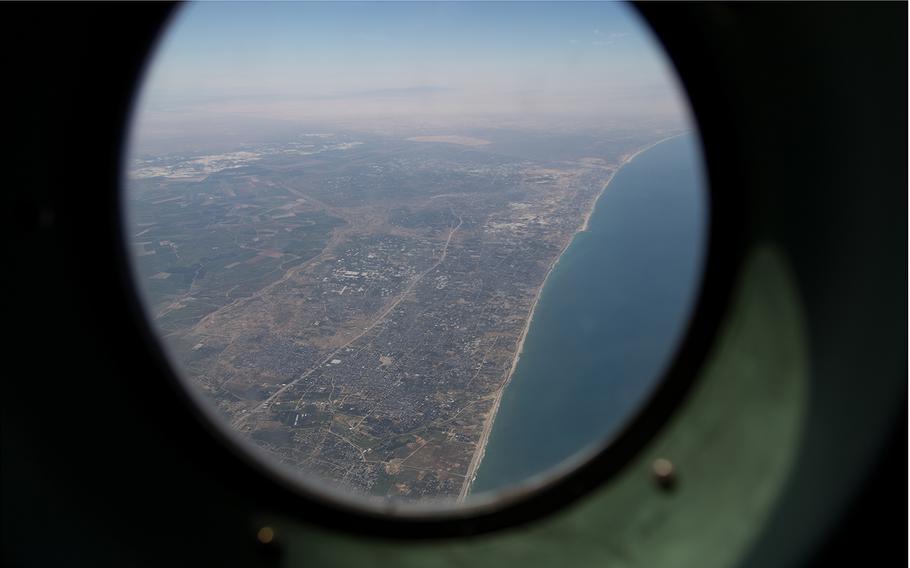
(479, 452)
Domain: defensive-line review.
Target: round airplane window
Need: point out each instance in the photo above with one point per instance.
(415, 256)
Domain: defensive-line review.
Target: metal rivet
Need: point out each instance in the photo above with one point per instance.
(265, 535)
(664, 472)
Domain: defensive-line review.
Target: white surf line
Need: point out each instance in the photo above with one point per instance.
(488, 423)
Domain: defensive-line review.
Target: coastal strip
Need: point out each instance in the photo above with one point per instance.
(479, 452)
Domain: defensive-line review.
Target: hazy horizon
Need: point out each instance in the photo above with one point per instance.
(249, 69)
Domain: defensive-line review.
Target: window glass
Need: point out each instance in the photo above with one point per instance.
(417, 253)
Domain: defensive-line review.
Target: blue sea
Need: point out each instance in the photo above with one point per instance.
(609, 319)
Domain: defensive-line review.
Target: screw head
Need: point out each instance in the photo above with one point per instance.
(265, 535)
(664, 472)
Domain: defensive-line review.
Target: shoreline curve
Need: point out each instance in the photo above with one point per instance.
(480, 451)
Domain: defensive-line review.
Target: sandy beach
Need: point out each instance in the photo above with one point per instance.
(497, 397)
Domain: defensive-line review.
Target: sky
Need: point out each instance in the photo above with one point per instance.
(353, 61)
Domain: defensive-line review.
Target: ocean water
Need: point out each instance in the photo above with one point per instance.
(609, 318)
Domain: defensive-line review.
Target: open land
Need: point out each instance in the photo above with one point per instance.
(355, 304)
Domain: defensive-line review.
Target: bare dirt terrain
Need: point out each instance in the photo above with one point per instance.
(357, 311)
